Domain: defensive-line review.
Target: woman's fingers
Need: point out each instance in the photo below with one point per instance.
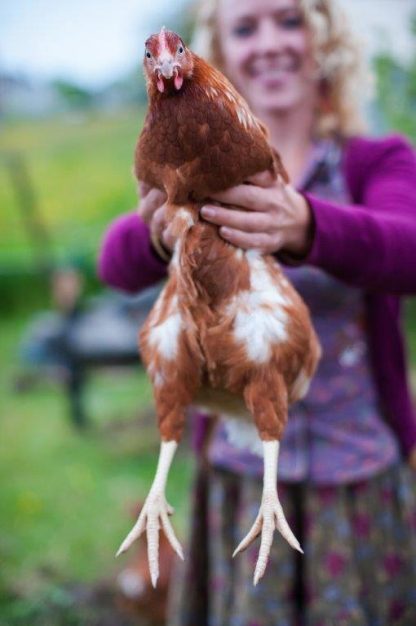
(161, 230)
(248, 241)
(234, 218)
(144, 189)
(246, 196)
(152, 201)
(252, 197)
(262, 179)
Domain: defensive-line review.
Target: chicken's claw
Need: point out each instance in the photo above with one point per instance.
(270, 517)
(153, 515)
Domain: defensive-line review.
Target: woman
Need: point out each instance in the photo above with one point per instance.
(346, 232)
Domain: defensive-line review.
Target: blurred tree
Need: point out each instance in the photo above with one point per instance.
(73, 96)
(396, 89)
(127, 90)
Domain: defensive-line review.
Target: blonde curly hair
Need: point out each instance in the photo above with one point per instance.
(344, 79)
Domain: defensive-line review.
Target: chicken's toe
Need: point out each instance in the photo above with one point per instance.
(134, 534)
(270, 517)
(284, 528)
(170, 534)
(265, 545)
(250, 537)
(153, 516)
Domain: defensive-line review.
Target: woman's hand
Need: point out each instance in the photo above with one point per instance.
(152, 210)
(266, 214)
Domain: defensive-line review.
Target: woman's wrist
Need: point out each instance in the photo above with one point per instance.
(299, 244)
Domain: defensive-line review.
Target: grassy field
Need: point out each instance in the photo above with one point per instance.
(67, 497)
(81, 172)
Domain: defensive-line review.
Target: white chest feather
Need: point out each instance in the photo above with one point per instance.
(260, 319)
(164, 336)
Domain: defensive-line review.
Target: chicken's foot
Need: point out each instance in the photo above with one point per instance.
(270, 515)
(155, 513)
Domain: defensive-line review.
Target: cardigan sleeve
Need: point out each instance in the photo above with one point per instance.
(371, 244)
(127, 260)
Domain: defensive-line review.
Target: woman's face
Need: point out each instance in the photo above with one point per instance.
(266, 49)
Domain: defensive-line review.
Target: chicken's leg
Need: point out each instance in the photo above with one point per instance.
(266, 397)
(155, 511)
(270, 515)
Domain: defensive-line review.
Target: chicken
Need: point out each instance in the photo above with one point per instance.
(228, 332)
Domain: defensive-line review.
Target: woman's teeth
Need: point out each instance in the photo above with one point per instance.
(275, 70)
(272, 73)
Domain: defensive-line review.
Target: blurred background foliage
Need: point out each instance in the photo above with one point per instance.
(396, 89)
(66, 165)
(65, 173)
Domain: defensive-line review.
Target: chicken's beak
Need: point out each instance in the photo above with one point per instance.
(166, 67)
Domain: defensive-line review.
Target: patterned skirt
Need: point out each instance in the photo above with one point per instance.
(359, 566)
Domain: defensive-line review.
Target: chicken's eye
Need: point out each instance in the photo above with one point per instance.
(180, 49)
(149, 56)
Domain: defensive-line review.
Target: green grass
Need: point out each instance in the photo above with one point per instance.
(81, 170)
(66, 496)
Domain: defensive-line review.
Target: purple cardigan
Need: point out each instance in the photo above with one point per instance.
(370, 244)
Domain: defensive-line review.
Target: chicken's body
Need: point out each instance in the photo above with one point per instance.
(228, 332)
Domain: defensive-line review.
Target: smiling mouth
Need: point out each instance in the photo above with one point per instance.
(273, 71)
(176, 77)
(274, 77)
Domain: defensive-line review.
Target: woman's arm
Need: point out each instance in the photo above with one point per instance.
(131, 256)
(371, 244)
(127, 259)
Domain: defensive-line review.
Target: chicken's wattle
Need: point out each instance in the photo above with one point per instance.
(178, 81)
(160, 84)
